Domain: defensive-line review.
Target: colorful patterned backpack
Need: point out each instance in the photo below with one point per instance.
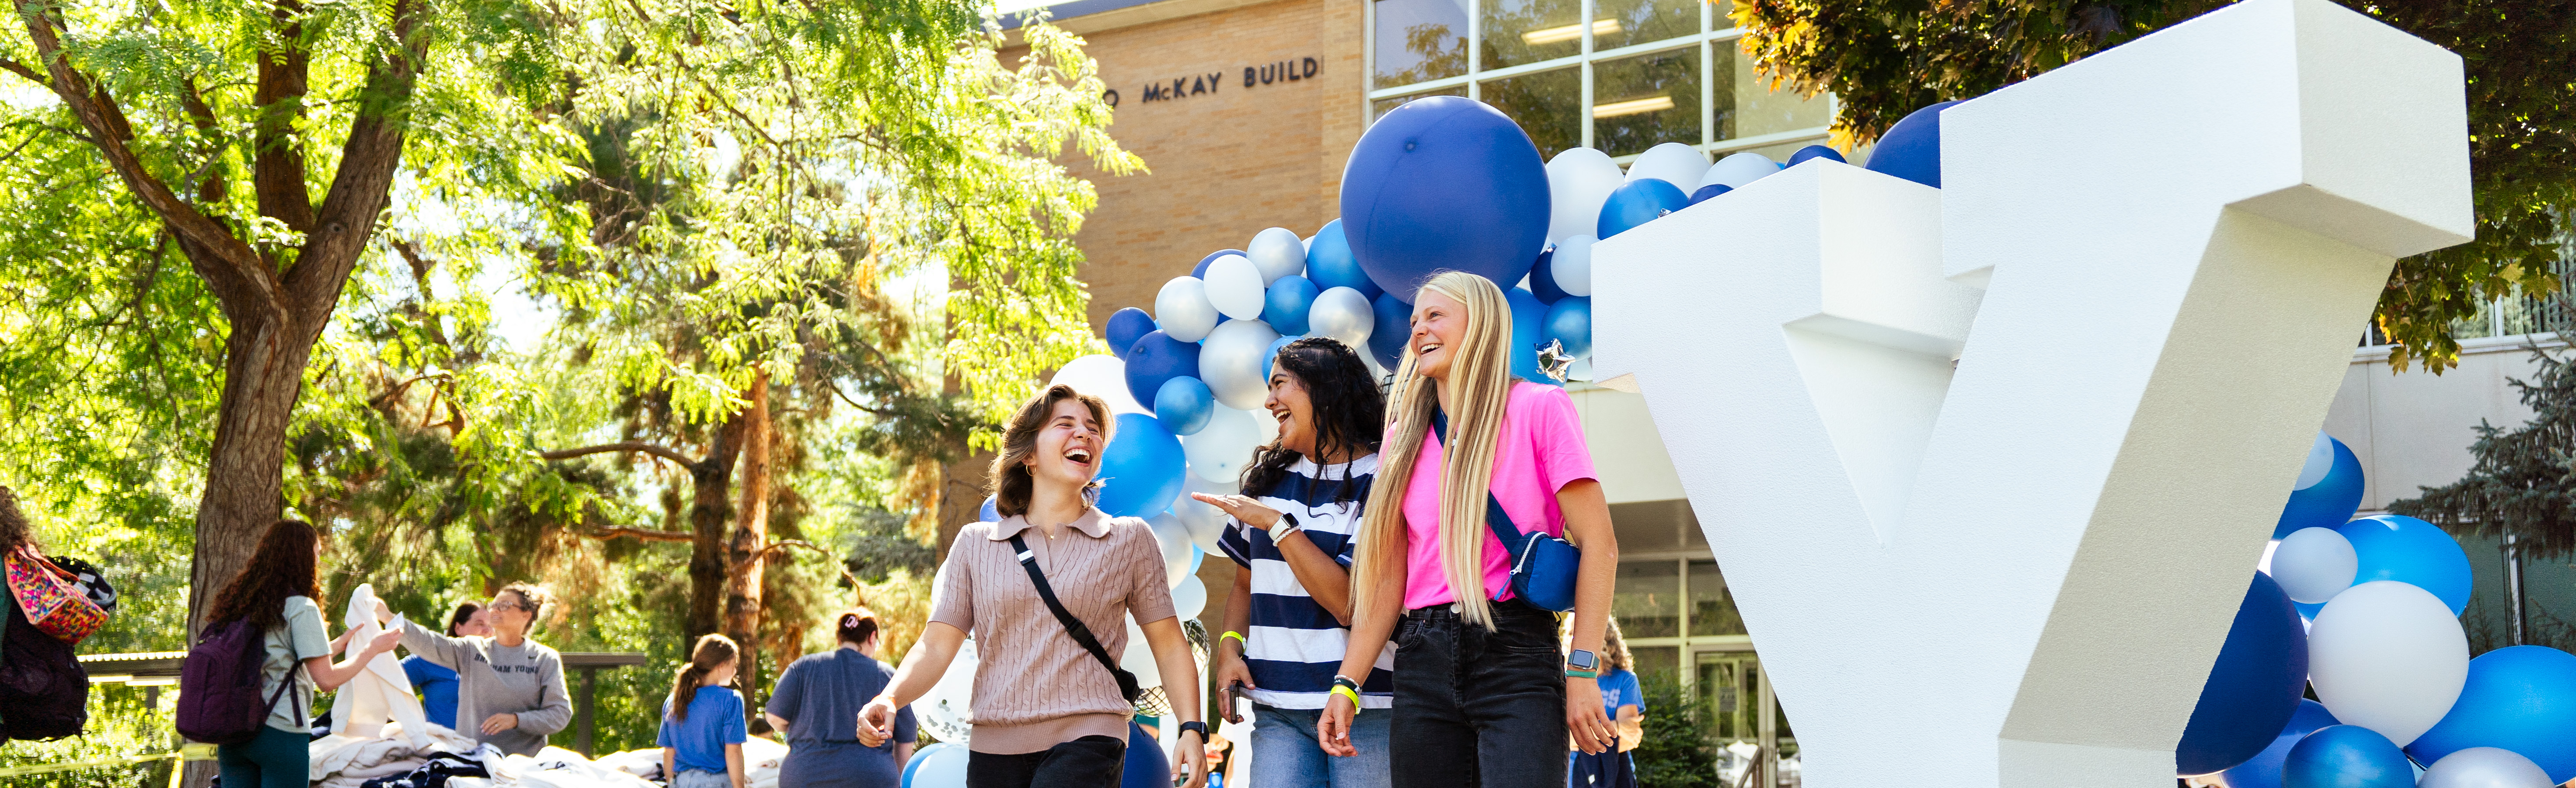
(54, 600)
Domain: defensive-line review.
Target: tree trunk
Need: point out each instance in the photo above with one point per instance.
(709, 510)
(750, 547)
(263, 376)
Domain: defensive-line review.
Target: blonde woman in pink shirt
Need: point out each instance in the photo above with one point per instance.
(1048, 713)
(1483, 694)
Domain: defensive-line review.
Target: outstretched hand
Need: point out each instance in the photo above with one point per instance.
(1241, 507)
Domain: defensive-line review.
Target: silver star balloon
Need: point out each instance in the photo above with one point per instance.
(1553, 360)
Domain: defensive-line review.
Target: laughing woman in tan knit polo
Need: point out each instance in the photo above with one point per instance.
(1048, 712)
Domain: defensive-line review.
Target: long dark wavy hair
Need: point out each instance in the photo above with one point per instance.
(282, 567)
(1348, 409)
(14, 530)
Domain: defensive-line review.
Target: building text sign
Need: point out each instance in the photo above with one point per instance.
(1189, 85)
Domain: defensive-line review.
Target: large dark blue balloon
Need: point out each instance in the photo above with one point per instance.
(1125, 327)
(1911, 149)
(2408, 550)
(1201, 270)
(2264, 769)
(1569, 321)
(1330, 264)
(1157, 358)
(1146, 767)
(1142, 469)
(2253, 688)
(1284, 307)
(2346, 756)
(2328, 489)
(1542, 278)
(1708, 191)
(1814, 152)
(2521, 698)
(1529, 331)
(1640, 201)
(1394, 329)
(1444, 183)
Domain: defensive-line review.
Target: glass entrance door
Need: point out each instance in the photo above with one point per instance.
(1754, 743)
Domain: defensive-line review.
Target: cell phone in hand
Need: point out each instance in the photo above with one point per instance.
(1231, 691)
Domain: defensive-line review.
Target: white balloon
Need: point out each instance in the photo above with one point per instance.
(946, 710)
(1737, 170)
(1189, 598)
(942, 764)
(1174, 540)
(1182, 309)
(1138, 657)
(2484, 767)
(1205, 522)
(1219, 452)
(1235, 286)
(1343, 314)
(2387, 656)
(1572, 264)
(2314, 564)
(1102, 376)
(1675, 163)
(1230, 361)
(1581, 369)
(1579, 180)
(1277, 253)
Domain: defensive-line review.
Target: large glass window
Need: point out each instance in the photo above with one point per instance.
(1420, 40)
(1648, 602)
(1635, 74)
(1712, 609)
(1547, 104)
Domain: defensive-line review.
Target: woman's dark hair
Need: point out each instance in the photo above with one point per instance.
(1349, 411)
(856, 626)
(14, 530)
(532, 598)
(1012, 485)
(711, 652)
(464, 612)
(281, 567)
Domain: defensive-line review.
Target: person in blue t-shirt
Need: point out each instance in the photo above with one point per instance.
(435, 683)
(1626, 704)
(702, 727)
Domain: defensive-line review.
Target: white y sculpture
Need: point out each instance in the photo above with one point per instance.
(1988, 466)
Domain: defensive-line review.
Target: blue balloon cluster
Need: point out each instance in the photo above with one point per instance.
(2519, 698)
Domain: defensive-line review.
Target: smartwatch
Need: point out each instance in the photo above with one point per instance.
(1580, 659)
(1193, 725)
(1276, 532)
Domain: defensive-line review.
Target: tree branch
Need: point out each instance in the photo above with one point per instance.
(277, 159)
(644, 534)
(229, 266)
(21, 69)
(364, 184)
(656, 450)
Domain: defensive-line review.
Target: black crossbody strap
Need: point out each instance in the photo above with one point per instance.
(1496, 520)
(1072, 626)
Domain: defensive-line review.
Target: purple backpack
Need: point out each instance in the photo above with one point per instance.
(219, 699)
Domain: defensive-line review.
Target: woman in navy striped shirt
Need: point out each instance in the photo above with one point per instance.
(1287, 624)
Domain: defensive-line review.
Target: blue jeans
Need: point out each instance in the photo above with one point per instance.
(1285, 753)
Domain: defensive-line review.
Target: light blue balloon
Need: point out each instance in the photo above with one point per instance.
(1330, 264)
(940, 765)
(2519, 698)
(1285, 305)
(1271, 358)
(2408, 550)
(1529, 318)
(990, 514)
(1184, 405)
(1197, 557)
(1142, 469)
(2346, 756)
(1569, 321)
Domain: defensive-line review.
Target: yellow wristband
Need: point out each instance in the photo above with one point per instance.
(1238, 638)
(1349, 693)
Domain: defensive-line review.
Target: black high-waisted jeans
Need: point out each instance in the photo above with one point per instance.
(1087, 762)
(1478, 709)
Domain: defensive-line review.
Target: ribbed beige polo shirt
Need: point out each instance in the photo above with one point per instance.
(1035, 688)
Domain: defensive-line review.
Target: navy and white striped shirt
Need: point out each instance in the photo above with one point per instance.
(1295, 645)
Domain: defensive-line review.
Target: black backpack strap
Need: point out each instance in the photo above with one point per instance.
(1072, 626)
(1496, 520)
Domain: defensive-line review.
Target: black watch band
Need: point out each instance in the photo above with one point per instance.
(1193, 725)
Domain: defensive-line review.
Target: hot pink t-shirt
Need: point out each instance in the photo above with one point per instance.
(1540, 452)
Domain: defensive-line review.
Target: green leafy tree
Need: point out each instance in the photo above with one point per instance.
(1885, 58)
(1675, 752)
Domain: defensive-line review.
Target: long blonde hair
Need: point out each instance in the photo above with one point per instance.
(1481, 370)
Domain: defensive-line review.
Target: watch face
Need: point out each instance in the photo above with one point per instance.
(1582, 660)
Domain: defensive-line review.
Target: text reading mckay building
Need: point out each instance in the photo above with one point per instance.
(1245, 111)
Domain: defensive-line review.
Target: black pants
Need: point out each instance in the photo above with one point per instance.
(1087, 762)
(1478, 709)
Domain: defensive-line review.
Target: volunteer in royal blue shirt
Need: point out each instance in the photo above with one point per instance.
(435, 683)
(1288, 621)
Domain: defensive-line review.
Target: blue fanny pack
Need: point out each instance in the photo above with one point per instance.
(1543, 566)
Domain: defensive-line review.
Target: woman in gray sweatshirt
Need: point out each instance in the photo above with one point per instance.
(509, 689)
